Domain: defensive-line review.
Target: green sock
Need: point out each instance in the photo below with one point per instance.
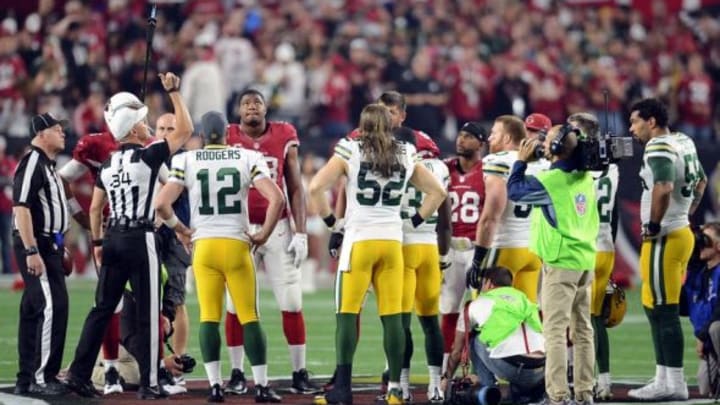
(672, 335)
(255, 343)
(656, 338)
(345, 338)
(406, 319)
(209, 341)
(433, 339)
(394, 342)
(602, 345)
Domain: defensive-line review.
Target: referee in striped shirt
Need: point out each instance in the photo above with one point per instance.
(128, 249)
(41, 219)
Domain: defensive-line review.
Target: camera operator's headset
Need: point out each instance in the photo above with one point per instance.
(557, 145)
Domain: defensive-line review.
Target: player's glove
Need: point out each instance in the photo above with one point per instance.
(651, 230)
(479, 255)
(337, 234)
(445, 262)
(299, 248)
(473, 277)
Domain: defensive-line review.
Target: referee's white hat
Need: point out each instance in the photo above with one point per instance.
(122, 112)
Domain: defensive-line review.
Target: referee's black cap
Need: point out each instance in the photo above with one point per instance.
(44, 121)
(214, 126)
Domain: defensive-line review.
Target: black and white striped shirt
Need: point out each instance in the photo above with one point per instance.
(130, 179)
(38, 187)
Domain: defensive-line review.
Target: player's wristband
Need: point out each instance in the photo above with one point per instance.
(172, 222)
(330, 220)
(479, 255)
(416, 220)
(97, 242)
(74, 206)
(173, 90)
(653, 227)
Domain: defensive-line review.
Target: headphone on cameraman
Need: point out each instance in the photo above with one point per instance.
(557, 145)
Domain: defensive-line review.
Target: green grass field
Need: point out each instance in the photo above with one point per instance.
(631, 348)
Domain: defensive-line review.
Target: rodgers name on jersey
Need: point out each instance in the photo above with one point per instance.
(467, 195)
(373, 202)
(218, 179)
(606, 186)
(514, 229)
(680, 150)
(273, 144)
(412, 200)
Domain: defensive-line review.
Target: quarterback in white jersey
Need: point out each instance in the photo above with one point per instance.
(503, 230)
(673, 184)
(218, 178)
(378, 169)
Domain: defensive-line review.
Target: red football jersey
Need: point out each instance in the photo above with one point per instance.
(94, 149)
(423, 143)
(274, 144)
(467, 195)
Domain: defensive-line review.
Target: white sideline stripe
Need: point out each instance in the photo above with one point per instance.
(18, 400)
(46, 334)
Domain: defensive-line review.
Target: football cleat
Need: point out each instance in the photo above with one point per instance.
(394, 397)
(216, 394)
(651, 392)
(266, 394)
(112, 382)
(237, 384)
(301, 383)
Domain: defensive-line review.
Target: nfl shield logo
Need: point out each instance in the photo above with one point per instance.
(580, 204)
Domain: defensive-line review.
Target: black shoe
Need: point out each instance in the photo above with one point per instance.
(266, 394)
(336, 396)
(237, 384)
(50, 389)
(301, 383)
(216, 394)
(151, 393)
(83, 388)
(330, 384)
(21, 389)
(384, 381)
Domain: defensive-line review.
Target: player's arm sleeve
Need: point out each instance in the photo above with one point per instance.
(257, 167)
(524, 189)
(662, 168)
(177, 169)
(343, 149)
(156, 153)
(72, 171)
(495, 167)
(28, 181)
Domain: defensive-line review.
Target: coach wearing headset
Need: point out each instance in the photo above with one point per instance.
(563, 230)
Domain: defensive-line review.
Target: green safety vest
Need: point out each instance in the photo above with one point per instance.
(512, 308)
(571, 243)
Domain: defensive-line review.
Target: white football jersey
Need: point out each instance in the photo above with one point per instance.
(680, 150)
(218, 178)
(374, 202)
(412, 200)
(514, 228)
(606, 186)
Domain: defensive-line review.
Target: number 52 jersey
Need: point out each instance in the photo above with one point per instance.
(218, 178)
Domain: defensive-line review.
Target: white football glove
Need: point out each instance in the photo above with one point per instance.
(299, 248)
(445, 262)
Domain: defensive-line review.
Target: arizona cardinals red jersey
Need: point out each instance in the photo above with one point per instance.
(274, 144)
(94, 149)
(467, 196)
(423, 143)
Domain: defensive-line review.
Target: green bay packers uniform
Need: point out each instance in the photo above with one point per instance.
(512, 237)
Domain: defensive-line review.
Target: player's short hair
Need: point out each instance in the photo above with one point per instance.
(652, 108)
(513, 126)
(499, 276)
(248, 92)
(586, 122)
(405, 134)
(393, 98)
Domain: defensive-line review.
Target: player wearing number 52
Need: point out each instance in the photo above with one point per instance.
(218, 179)
(378, 169)
(503, 231)
(673, 184)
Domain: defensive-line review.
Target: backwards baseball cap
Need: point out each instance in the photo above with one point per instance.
(213, 127)
(475, 129)
(122, 112)
(538, 122)
(44, 121)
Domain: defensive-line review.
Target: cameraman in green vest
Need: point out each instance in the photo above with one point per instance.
(564, 227)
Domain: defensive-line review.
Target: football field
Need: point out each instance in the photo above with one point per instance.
(630, 345)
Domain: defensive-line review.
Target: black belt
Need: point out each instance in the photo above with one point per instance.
(525, 361)
(127, 224)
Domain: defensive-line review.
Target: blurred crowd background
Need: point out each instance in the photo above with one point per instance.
(318, 62)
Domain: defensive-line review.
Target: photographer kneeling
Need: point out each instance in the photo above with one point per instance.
(507, 341)
(701, 290)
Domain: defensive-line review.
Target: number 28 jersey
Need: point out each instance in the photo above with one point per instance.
(514, 228)
(467, 196)
(218, 178)
(374, 202)
(680, 150)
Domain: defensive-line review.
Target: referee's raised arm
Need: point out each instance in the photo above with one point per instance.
(183, 126)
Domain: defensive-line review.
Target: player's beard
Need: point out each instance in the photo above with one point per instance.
(253, 122)
(466, 153)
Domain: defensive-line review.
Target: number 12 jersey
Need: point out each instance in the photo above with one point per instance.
(218, 178)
